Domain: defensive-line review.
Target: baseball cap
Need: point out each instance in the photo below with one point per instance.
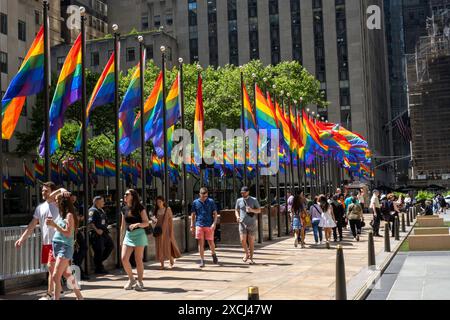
(244, 189)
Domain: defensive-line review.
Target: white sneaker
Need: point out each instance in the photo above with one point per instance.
(139, 286)
(130, 284)
(321, 242)
(296, 242)
(46, 297)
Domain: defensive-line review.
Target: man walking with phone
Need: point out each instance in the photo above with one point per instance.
(246, 209)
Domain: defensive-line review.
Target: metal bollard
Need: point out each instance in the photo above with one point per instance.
(341, 284)
(371, 257)
(408, 222)
(253, 293)
(397, 229)
(387, 239)
(403, 223)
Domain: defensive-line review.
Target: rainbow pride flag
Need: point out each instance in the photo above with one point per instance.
(99, 167)
(103, 94)
(39, 171)
(199, 124)
(29, 80)
(28, 176)
(67, 92)
(249, 117)
(126, 114)
(110, 168)
(265, 116)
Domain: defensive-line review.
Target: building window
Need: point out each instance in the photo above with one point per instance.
(342, 51)
(296, 28)
(4, 62)
(37, 17)
(22, 31)
(148, 52)
(157, 21)
(233, 32)
(131, 54)
(193, 31)
(95, 59)
(274, 31)
(253, 29)
(169, 18)
(5, 145)
(319, 46)
(3, 23)
(212, 33)
(60, 62)
(144, 21)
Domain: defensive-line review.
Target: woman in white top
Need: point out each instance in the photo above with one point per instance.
(328, 222)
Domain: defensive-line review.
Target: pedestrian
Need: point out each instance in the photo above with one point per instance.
(99, 237)
(316, 216)
(134, 221)
(361, 199)
(375, 206)
(246, 209)
(355, 217)
(203, 224)
(394, 211)
(46, 209)
(328, 221)
(351, 197)
(63, 241)
(80, 248)
(339, 215)
(297, 215)
(428, 208)
(165, 244)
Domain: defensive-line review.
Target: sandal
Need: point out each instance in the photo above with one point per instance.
(251, 261)
(245, 259)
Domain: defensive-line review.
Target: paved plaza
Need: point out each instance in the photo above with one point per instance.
(281, 272)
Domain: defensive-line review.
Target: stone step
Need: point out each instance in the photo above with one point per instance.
(430, 242)
(435, 230)
(438, 222)
(419, 218)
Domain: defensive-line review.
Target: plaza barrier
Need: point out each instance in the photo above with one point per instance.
(371, 251)
(341, 284)
(387, 240)
(25, 261)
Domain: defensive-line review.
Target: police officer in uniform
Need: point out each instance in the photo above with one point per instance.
(100, 239)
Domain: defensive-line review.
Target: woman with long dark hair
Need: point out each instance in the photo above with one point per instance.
(63, 241)
(165, 243)
(134, 221)
(298, 216)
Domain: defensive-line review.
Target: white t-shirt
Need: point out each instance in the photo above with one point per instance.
(43, 211)
(375, 201)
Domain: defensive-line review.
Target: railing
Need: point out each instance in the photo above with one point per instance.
(23, 261)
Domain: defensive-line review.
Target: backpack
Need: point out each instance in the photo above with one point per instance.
(385, 210)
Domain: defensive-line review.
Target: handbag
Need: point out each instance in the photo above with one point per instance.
(157, 230)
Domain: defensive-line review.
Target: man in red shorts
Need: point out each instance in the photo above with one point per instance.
(47, 209)
(203, 224)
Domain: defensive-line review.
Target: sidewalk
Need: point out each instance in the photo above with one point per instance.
(420, 275)
(281, 272)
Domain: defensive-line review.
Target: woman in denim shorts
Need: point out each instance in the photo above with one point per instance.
(296, 216)
(63, 241)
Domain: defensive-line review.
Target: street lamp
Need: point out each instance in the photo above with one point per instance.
(180, 60)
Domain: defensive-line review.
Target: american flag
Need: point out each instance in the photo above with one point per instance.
(403, 125)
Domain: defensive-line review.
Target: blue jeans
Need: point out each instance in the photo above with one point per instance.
(317, 230)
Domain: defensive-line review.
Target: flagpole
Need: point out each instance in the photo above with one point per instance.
(257, 193)
(285, 173)
(166, 156)
(141, 81)
(1, 160)
(84, 128)
(115, 27)
(243, 126)
(278, 177)
(46, 90)
(291, 165)
(183, 165)
(267, 186)
(296, 113)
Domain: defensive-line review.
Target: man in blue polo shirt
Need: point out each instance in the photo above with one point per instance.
(203, 224)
